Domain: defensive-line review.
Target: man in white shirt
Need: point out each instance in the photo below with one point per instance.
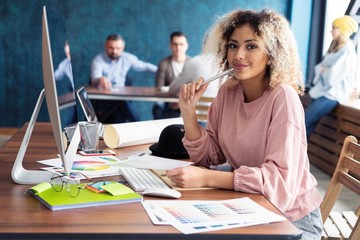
(168, 69)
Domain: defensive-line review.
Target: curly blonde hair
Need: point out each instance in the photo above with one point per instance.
(270, 28)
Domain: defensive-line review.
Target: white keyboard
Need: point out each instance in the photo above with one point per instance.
(142, 179)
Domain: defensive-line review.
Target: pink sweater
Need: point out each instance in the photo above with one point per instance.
(265, 142)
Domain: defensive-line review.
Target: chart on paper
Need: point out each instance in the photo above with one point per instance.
(91, 166)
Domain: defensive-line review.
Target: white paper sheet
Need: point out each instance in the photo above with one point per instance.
(153, 162)
(202, 216)
(101, 166)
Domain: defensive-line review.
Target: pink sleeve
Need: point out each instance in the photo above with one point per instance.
(204, 150)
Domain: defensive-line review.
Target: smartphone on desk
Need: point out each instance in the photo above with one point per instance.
(97, 152)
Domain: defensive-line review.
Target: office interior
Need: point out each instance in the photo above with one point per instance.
(146, 26)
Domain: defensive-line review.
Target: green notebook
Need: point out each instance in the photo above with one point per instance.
(116, 193)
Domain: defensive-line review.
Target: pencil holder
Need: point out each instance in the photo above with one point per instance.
(89, 134)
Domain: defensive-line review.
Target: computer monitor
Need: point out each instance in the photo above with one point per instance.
(59, 48)
(51, 43)
(50, 54)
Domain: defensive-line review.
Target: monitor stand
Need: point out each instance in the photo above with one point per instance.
(24, 176)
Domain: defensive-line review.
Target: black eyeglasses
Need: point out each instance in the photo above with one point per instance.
(71, 183)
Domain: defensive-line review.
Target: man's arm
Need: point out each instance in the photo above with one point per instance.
(161, 73)
(139, 65)
(96, 74)
(96, 71)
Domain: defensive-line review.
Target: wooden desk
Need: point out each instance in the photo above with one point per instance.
(67, 100)
(23, 216)
(151, 94)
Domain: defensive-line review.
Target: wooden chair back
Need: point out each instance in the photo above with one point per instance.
(344, 225)
(202, 108)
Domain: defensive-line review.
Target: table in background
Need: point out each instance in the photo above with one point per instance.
(24, 217)
(152, 94)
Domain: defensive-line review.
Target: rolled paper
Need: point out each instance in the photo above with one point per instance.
(65, 140)
(136, 133)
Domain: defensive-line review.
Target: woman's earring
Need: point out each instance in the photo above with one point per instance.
(268, 62)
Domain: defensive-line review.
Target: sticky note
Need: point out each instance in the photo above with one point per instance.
(117, 189)
(41, 187)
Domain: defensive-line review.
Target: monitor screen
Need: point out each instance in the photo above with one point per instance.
(62, 68)
(58, 79)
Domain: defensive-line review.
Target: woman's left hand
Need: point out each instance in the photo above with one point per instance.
(188, 177)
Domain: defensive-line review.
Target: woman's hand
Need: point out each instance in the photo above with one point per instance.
(188, 177)
(188, 97)
(190, 94)
(196, 177)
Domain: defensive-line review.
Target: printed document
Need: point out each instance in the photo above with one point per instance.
(202, 216)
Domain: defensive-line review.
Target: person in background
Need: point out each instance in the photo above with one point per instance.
(168, 69)
(64, 69)
(109, 70)
(335, 75)
(65, 85)
(256, 121)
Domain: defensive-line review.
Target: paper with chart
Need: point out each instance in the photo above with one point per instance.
(90, 166)
(202, 216)
(136, 133)
(101, 166)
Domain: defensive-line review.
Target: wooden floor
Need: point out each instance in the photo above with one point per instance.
(347, 201)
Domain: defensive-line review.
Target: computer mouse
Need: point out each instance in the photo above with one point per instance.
(162, 192)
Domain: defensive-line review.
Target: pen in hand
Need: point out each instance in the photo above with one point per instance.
(227, 72)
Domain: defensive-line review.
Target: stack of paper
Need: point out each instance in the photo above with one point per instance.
(201, 216)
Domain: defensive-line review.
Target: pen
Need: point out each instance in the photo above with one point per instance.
(218, 76)
(134, 156)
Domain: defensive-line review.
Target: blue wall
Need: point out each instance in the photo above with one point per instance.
(145, 25)
(301, 22)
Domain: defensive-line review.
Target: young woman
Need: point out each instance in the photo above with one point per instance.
(335, 75)
(256, 122)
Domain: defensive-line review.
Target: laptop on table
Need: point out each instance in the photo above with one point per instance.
(88, 108)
